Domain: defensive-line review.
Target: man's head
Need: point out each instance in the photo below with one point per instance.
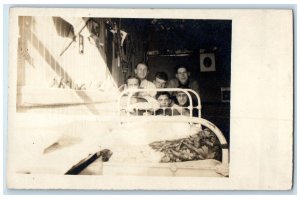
(133, 82)
(141, 71)
(182, 74)
(164, 99)
(161, 79)
(182, 98)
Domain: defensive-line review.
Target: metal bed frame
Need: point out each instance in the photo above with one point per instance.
(181, 118)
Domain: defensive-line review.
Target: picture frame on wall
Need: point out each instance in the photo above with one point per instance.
(207, 62)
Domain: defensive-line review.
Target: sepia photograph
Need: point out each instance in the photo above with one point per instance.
(111, 96)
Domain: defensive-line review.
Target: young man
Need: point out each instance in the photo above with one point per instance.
(132, 82)
(183, 80)
(160, 80)
(140, 103)
(165, 102)
(164, 99)
(181, 103)
(141, 71)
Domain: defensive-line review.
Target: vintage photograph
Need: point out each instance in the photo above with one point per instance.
(105, 97)
(124, 96)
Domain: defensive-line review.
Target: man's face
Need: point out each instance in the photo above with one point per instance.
(159, 83)
(133, 83)
(182, 75)
(141, 71)
(164, 101)
(182, 98)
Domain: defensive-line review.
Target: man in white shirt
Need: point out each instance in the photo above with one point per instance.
(141, 71)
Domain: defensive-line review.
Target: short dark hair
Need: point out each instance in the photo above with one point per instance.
(181, 66)
(163, 93)
(161, 75)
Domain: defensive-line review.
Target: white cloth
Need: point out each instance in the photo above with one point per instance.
(145, 84)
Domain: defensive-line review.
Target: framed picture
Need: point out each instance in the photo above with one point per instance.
(207, 62)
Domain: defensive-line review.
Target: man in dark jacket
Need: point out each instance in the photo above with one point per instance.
(183, 80)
